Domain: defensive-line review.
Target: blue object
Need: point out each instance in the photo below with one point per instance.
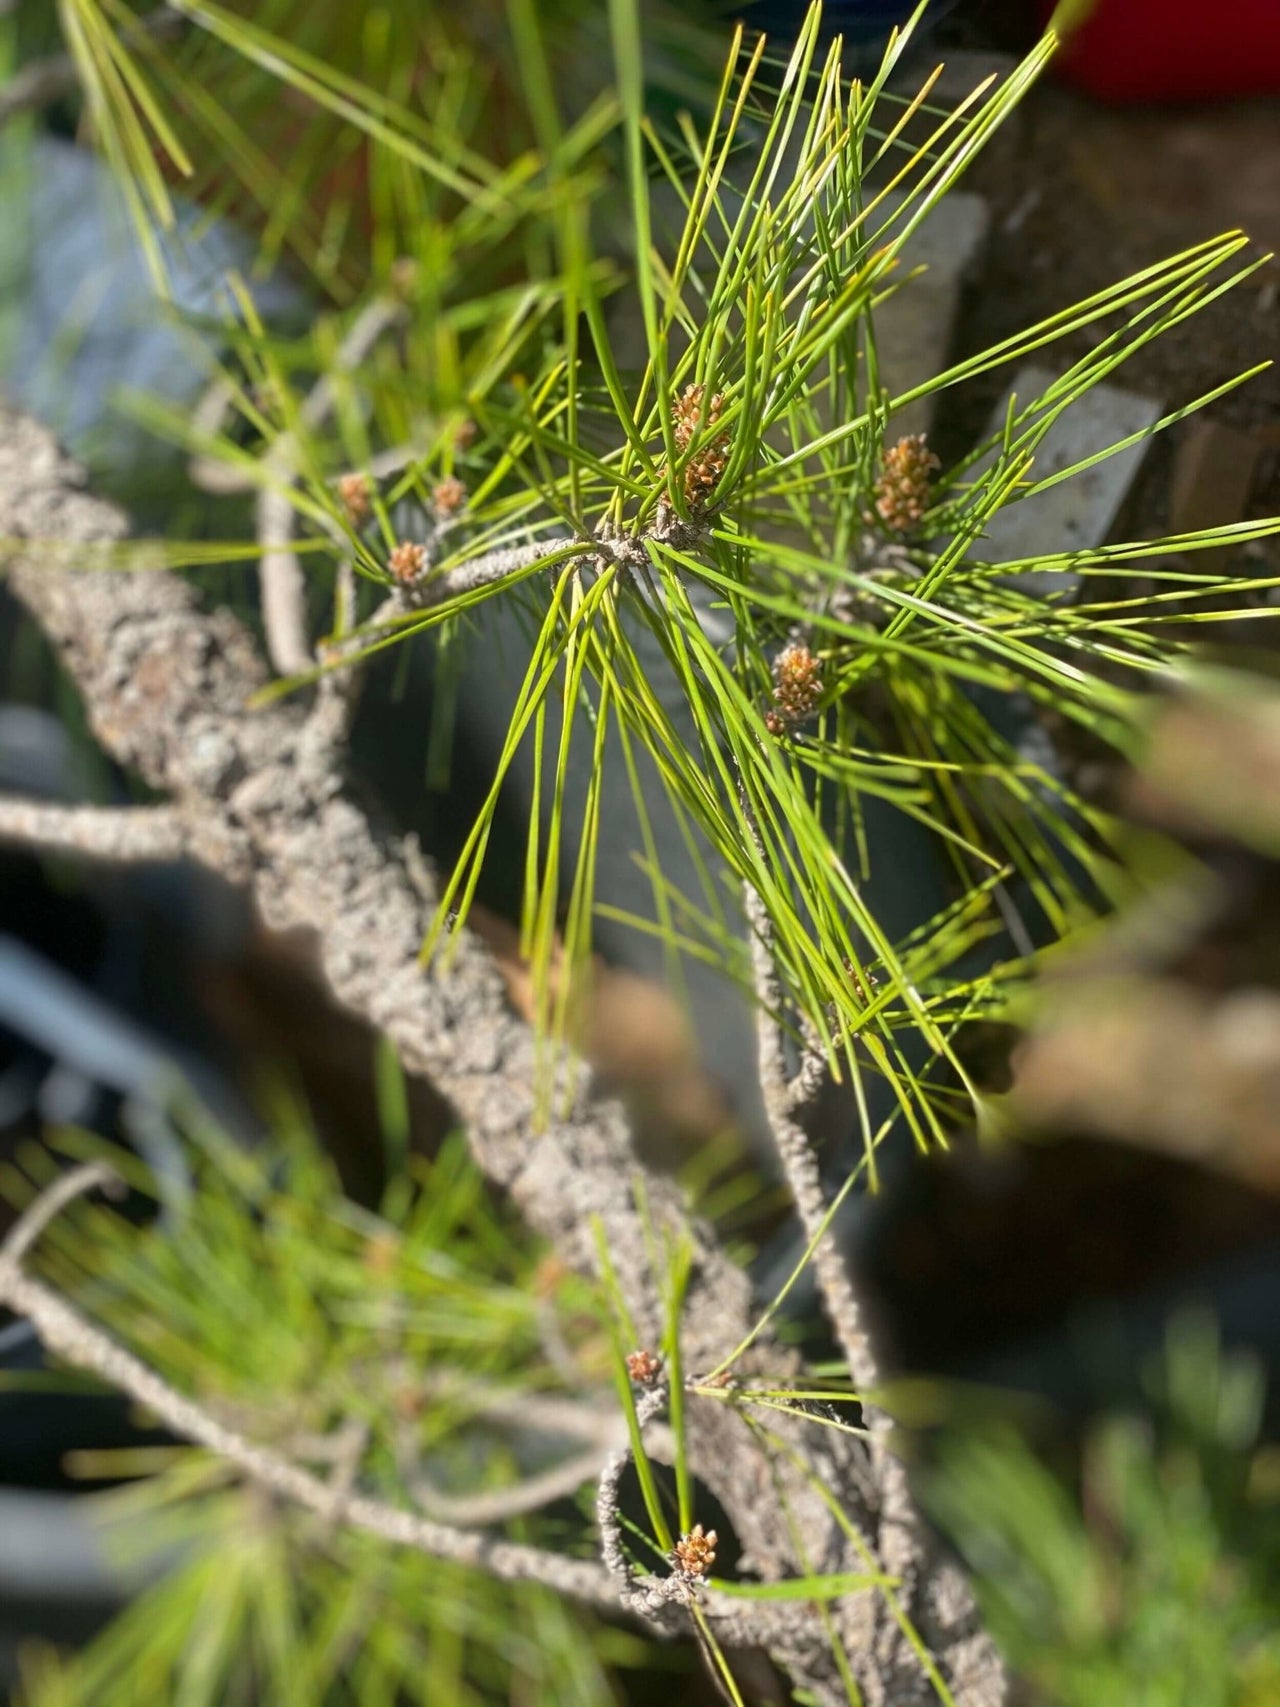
(79, 320)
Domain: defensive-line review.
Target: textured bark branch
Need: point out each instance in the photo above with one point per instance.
(495, 566)
(167, 687)
(809, 1081)
(782, 1099)
(77, 1182)
(903, 1542)
(652, 1595)
(131, 834)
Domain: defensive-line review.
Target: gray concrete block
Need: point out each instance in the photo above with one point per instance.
(80, 322)
(915, 327)
(1079, 513)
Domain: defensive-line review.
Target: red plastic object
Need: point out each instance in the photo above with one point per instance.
(1174, 50)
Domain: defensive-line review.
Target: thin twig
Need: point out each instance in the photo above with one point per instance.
(349, 1451)
(663, 1601)
(378, 317)
(794, 1146)
(89, 1176)
(332, 1448)
(392, 460)
(210, 473)
(649, 1594)
(283, 584)
(469, 577)
(809, 1080)
(338, 691)
(494, 566)
(490, 1506)
(227, 479)
(901, 1544)
(281, 581)
(74, 1339)
(133, 834)
(344, 596)
(284, 588)
(555, 1346)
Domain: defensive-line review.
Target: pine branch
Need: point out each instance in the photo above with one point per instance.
(493, 567)
(168, 689)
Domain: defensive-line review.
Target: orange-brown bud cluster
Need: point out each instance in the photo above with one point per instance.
(356, 496)
(643, 1367)
(448, 497)
(905, 483)
(797, 687)
(551, 1273)
(404, 275)
(408, 561)
(695, 1552)
(863, 982)
(382, 1252)
(703, 470)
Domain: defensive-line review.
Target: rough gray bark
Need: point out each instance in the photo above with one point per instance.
(261, 797)
(95, 832)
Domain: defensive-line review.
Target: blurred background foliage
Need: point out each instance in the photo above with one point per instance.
(1147, 1572)
(1136, 1564)
(413, 1341)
